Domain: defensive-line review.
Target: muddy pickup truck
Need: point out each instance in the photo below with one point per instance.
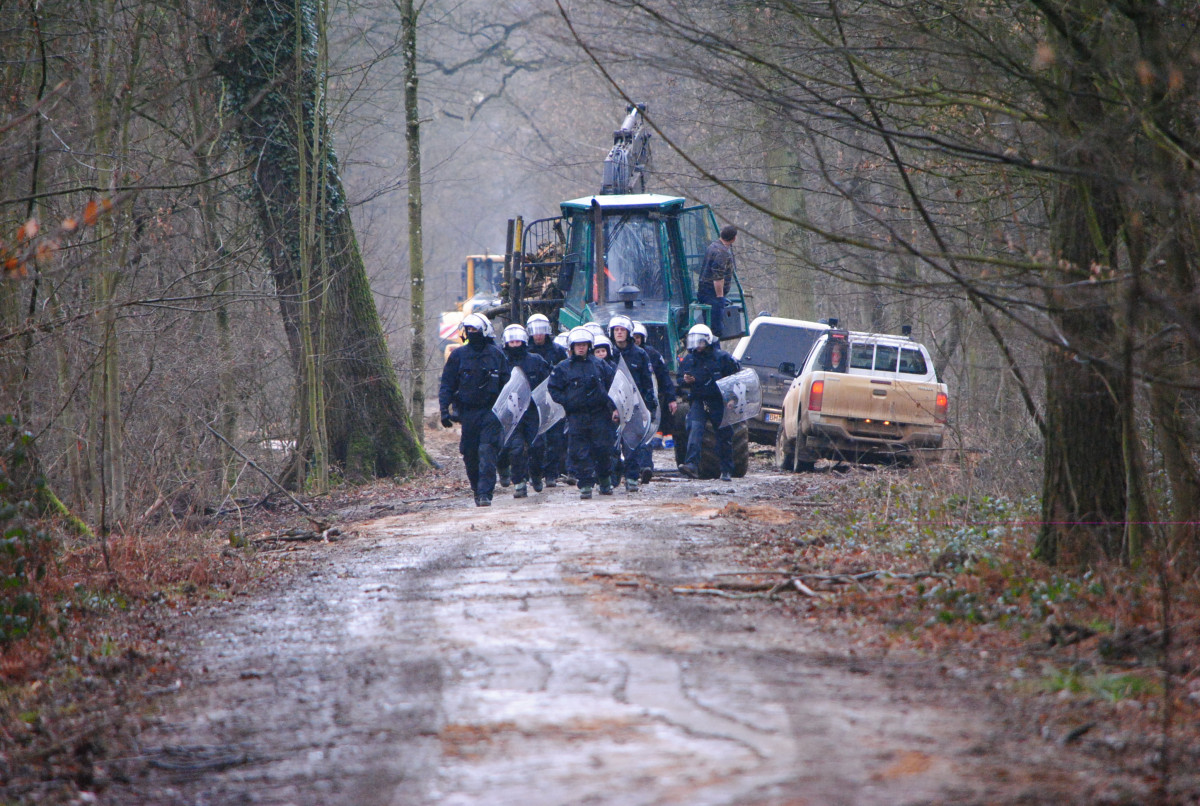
(861, 397)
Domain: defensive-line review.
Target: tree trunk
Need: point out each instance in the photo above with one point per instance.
(1084, 479)
(416, 257)
(368, 430)
(793, 278)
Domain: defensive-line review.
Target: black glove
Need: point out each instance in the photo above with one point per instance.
(446, 421)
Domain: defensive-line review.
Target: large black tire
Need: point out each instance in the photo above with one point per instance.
(679, 432)
(710, 468)
(741, 450)
(789, 457)
(785, 451)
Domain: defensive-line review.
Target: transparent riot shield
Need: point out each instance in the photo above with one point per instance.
(742, 395)
(656, 415)
(631, 409)
(549, 412)
(511, 405)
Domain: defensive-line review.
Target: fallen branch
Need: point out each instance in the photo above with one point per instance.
(264, 473)
(718, 592)
(297, 536)
(842, 579)
(807, 591)
(796, 582)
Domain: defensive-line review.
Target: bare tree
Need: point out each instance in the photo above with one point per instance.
(1028, 159)
(367, 425)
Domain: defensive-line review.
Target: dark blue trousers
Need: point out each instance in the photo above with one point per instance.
(519, 449)
(480, 447)
(645, 457)
(718, 310)
(709, 411)
(590, 438)
(550, 452)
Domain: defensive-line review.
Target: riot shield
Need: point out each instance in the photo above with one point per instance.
(656, 415)
(631, 409)
(549, 412)
(510, 406)
(742, 395)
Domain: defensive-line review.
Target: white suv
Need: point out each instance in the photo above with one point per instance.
(776, 348)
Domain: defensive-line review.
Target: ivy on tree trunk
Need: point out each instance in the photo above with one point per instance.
(367, 425)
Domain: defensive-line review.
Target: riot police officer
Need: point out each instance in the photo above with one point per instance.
(580, 385)
(704, 365)
(620, 330)
(666, 397)
(471, 381)
(520, 444)
(550, 448)
(602, 349)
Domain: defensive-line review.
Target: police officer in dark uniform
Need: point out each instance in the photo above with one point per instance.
(549, 449)
(704, 365)
(620, 330)
(580, 385)
(520, 444)
(602, 349)
(471, 381)
(666, 397)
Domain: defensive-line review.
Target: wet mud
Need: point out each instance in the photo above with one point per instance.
(535, 653)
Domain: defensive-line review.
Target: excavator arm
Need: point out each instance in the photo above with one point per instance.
(628, 160)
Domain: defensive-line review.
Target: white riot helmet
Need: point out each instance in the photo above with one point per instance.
(596, 330)
(579, 335)
(699, 335)
(640, 330)
(602, 341)
(538, 325)
(515, 333)
(561, 339)
(477, 321)
(620, 320)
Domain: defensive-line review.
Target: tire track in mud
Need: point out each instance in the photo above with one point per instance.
(532, 653)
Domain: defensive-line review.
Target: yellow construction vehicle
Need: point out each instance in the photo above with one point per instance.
(480, 290)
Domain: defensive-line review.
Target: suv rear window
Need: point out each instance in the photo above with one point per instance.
(861, 356)
(885, 357)
(912, 362)
(772, 345)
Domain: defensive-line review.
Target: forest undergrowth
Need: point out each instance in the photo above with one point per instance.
(916, 564)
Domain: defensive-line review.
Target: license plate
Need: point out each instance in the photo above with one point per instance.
(773, 417)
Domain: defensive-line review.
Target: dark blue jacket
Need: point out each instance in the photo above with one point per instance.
(707, 367)
(580, 385)
(549, 351)
(638, 361)
(533, 365)
(473, 377)
(658, 365)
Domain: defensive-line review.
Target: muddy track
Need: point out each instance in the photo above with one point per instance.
(535, 653)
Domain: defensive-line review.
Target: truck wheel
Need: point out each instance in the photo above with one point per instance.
(785, 451)
(741, 450)
(679, 434)
(710, 468)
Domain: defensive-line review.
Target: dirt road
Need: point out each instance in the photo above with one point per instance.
(536, 653)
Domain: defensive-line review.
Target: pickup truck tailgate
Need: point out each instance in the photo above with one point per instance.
(864, 398)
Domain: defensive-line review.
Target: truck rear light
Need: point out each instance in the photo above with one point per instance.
(815, 393)
(940, 408)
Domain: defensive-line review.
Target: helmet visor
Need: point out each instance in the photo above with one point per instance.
(695, 340)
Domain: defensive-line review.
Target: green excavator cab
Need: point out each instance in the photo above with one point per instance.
(636, 254)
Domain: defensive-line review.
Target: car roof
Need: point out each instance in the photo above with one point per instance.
(786, 322)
